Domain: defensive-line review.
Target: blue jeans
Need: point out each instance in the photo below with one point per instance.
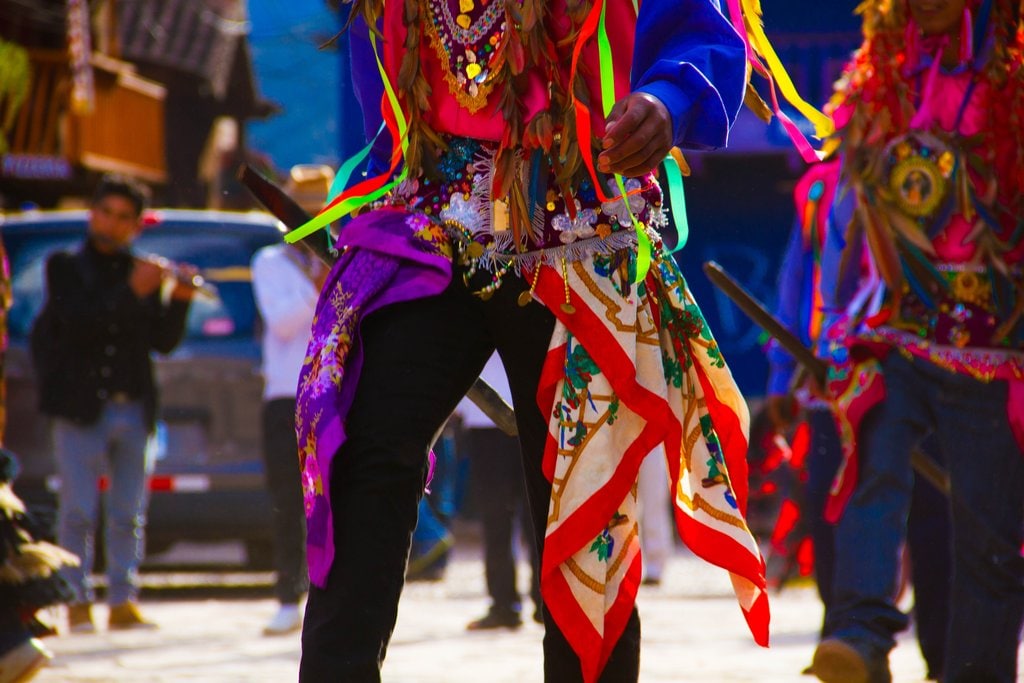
(115, 445)
(928, 539)
(969, 421)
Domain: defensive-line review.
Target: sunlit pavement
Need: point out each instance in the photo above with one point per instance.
(692, 631)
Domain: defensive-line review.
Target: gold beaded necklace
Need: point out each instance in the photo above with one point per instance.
(470, 51)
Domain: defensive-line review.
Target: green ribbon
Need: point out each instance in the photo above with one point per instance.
(347, 206)
(677, 200)
(351, 164)
(607, 71)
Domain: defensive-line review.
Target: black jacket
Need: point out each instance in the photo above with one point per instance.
(93, 337)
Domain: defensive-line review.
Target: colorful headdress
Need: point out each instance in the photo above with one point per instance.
(872, 100)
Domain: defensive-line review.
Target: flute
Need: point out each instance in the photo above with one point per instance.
(203, 288)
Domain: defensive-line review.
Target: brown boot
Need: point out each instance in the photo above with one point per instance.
(127, 616)
(80, 618)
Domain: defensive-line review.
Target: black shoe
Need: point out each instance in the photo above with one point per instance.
(841, 661)
(496, 619)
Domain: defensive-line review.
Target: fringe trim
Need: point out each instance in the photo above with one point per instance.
(495, 260)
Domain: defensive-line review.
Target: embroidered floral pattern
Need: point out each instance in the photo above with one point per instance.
(408, 248)
(312, 479)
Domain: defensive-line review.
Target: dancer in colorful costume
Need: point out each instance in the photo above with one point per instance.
(802, 310)
(518, 211)
(932, 146)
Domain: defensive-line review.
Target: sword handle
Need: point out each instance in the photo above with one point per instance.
(285, 209)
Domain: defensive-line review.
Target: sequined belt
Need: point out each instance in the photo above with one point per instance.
(979, 310)
(538, 222)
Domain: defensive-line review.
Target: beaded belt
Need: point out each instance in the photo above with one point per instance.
(976, 311)
(551, 225)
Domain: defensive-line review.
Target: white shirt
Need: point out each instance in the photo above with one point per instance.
(286, 299)
(494, 374)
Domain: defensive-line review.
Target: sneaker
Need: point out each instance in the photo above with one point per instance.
(80, 618)
(496, 619)
(838, 661)
(287, 620)
(126, 616)
(24, 661)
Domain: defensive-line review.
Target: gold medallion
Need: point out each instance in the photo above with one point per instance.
(919, 167)
(918, 186)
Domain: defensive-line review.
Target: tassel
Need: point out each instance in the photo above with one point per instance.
(519, 213)
(567, 307)
(882, 247)
(756, 104)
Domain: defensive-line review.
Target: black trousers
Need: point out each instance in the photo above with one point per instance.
(420, 358)
(496, 473)
(281, 461)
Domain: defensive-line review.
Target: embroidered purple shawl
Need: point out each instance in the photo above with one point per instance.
(389, 256)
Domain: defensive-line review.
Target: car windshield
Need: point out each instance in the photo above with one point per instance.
(222, 253)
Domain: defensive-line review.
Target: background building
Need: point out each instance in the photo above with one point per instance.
(132, 86)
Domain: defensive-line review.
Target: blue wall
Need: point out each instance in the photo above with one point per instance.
(292, 71)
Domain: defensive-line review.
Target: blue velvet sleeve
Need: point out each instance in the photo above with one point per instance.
(368, 90)
(690, 57)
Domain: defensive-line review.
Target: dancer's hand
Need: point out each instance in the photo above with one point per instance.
(637, 137)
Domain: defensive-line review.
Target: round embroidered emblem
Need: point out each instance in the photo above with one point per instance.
(920, 167)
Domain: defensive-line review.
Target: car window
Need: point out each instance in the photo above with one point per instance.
(222, 253)
(28, 254)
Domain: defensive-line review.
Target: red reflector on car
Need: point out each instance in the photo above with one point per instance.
(161, 484)
(180, 483)
(177, 483)
(151, 218)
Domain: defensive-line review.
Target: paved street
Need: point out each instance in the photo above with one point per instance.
(693, 632)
